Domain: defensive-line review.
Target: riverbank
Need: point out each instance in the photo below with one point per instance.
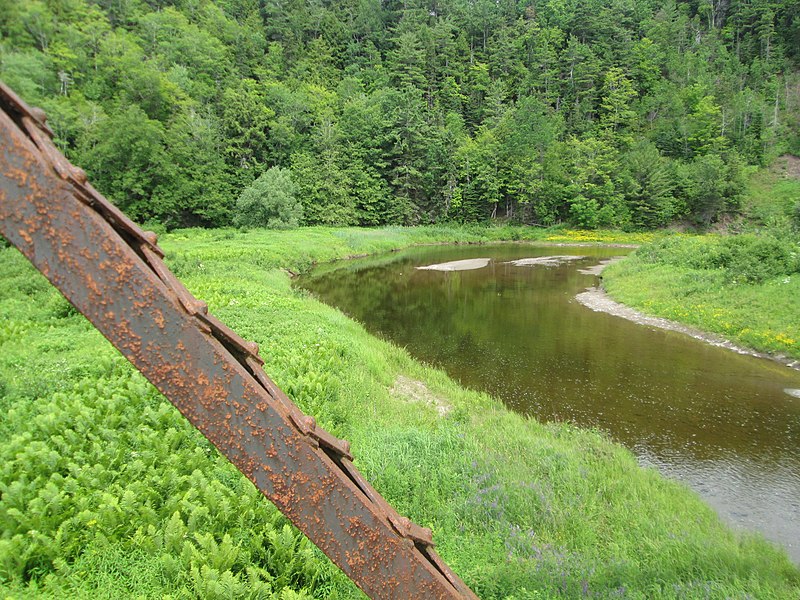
(597, 299)
(735, 290)
(105, 487)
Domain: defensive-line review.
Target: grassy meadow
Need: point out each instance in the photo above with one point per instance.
(106, 492)
(683, 279)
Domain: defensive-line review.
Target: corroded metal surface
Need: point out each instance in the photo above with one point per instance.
(113, 273)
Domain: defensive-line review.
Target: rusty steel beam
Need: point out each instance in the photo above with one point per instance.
(113, 273)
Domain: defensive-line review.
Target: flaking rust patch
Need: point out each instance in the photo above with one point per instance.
(414, 391)
(25, 236)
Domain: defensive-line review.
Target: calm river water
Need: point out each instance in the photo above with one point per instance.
(718, 421)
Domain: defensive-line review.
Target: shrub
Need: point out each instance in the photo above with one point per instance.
(270, 202)
(754, 259)
(585, 212)
(744, 258)
(680, 251)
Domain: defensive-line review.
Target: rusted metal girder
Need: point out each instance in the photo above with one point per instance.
(113, 273)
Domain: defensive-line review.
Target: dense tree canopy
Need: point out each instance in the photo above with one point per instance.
(604, 112)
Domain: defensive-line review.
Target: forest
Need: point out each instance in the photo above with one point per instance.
(632, 114)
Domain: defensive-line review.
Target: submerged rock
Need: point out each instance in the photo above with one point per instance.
(547, 261)
(599, 267)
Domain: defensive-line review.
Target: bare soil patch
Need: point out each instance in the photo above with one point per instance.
(789, 165)
(414, 391)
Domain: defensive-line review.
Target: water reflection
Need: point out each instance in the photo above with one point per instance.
(721, 422)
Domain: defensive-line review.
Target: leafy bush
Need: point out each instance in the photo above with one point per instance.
(270, 202)
(754, 259)
(744, 258)
(585, 212)
(691, 252)
(711, 185)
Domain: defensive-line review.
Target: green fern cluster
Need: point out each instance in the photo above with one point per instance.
(111, 464)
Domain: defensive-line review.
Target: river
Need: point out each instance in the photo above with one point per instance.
(723, 423)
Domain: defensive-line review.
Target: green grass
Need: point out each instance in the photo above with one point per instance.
(105, 491)
(745, 288)
(772, 198)
(299, 249)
